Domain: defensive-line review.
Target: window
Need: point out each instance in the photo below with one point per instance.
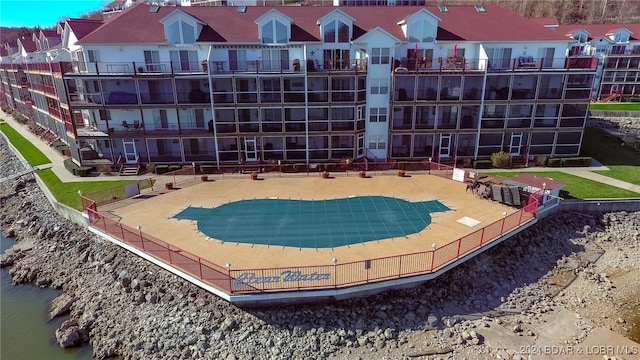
(378, 115)
(238, 60)
(420, 31)
(275, 59)
(184, 60)
(333, 28)
(621, 37)
(336, 59)
(180, 32)
(377, 142)
(499, 58)
(379, 86)
(380, 55)
(580, 37)
(152, 60)
(93, 56)
(274, 32)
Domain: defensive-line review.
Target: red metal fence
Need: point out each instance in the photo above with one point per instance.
(334, 275)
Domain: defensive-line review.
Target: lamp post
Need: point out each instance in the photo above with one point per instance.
(430, 165)
(335, 263)
(228, 266)
(140, 233)
(504, 219)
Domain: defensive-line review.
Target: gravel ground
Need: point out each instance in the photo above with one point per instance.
(555, 282)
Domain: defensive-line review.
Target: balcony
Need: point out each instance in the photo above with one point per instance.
(213, 67)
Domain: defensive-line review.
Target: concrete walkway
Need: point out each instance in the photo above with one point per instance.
(57, 159)
(65, 176)
(583, 172)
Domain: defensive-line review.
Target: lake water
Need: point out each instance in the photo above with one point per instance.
(25, 332)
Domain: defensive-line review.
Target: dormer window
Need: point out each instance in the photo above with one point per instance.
(621, 37)
(580, 37)
(420, 31)
(181, 32)
(274, 32)
(336, 27)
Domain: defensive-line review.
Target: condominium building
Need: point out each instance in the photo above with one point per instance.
(618, 48)
(305, 84)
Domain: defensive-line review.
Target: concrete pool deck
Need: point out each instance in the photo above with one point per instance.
(155, 216)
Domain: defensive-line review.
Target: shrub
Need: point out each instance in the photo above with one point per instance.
(82, 171)
(482, 164)
(466, 163)
(105, 169)
(576, 161)
(541, 161)
(500, 160)
(207, 169)
(161, 169)
(554, 162)
(150, 168)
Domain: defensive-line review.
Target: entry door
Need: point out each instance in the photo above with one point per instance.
(445, 146)
(360, 145)
(250, 150)
(516, 144)
(130, 154)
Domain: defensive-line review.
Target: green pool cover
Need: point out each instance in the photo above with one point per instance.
(313, 223)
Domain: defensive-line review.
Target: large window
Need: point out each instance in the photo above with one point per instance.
(274, 32)
(275, 59)
(499, 58)
(336, 31)
(184, 60)
(343, 89)
(180, 32)
(420, 31)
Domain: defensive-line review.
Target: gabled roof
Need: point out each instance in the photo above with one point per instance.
(83, 27)
(225, 24)
(28, 44)
(597, 30)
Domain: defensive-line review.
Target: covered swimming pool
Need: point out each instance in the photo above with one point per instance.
(313, 223)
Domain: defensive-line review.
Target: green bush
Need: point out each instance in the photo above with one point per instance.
(500, 160)
(161, 169)
(482, 164)
(174, 167)
(82, 171)
(576, 161)
(554, 162)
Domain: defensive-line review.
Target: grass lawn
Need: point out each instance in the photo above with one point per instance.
(616, 106)
(31, 153)
(65, 193)
(580, 188)
(623, 161)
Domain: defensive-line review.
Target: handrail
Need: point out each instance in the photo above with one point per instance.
(253, 280)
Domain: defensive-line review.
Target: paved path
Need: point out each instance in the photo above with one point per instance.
(57, 159)
(65, 176)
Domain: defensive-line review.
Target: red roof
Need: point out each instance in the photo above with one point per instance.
(598, 30)
(538, 181)
(83, 27)
(28, 44)
(546, 21)
(225, 24)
